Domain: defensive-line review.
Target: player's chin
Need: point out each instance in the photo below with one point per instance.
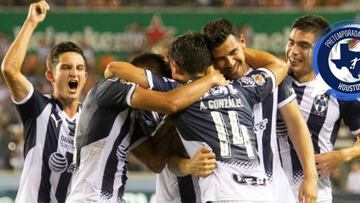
(295, 68)
(73, 95)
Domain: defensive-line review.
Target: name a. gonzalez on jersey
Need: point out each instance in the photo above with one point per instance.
(221, 103)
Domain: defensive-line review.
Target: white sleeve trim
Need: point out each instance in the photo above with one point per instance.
(286, 101)
(355, 132)
(271, 74)
(129, 94)
(150, 79)
(137, 143)
(31, 92)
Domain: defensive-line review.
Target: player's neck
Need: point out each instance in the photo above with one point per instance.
(71, 108)
(304, 77)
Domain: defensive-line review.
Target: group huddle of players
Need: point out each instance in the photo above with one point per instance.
(217, 121)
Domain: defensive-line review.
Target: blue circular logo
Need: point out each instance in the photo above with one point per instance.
(337, 60)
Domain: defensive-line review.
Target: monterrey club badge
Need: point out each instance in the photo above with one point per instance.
(337, 60)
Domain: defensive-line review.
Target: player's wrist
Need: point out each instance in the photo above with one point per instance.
(350, 153)
(30, 23)
(311, 177)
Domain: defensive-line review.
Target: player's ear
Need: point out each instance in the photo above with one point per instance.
(175, 69)
(49, 75)
(242, 40)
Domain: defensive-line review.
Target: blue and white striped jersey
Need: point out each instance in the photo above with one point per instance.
(323, 114)
(102, 140)
(222, 119)
(48, 148)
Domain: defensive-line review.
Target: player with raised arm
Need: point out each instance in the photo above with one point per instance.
(49, 120)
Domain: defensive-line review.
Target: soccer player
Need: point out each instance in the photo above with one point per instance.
(322, 113)
(105, 127)
(221, 120)
(177, 185)
(226, 48)
(49, 120)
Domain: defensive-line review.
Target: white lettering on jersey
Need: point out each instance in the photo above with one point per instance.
(221, 104)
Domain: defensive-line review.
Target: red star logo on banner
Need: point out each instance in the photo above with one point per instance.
(157, 30)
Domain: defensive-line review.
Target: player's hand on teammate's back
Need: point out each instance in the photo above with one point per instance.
(216, 76)
(37, 12)
(203, 163)
(327, 162)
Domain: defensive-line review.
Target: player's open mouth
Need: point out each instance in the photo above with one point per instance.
(73, 84)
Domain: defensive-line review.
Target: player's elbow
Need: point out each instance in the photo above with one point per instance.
(6, 69)
(169, 105)
(172, 106)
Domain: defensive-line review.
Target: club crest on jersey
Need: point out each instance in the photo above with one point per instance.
(247, 82)
(259, 79)
(320, 104)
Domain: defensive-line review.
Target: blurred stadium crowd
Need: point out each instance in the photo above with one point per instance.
(224, 3)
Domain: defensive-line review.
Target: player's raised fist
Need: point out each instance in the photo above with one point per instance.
(37, 11)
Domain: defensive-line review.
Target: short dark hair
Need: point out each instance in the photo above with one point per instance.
(312, 23)
(191, 52)
(153, 62)
(217, 31)
(53, 57)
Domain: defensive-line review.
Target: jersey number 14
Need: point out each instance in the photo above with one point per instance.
(240, 134)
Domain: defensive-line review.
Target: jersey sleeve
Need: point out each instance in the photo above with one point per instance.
(286, 92)
(115, 92)
(145, 124)
(29, 109)
(32, 105)
(161, 84)
(350, 112)
(257, 85)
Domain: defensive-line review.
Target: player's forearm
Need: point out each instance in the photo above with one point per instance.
(14, 58)
(301, 138)
(128, 72)
(352, 152)
(179, 165)
(150, 156)
(257, 59)
(184, 96)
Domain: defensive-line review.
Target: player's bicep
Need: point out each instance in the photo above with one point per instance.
(19, 86)
(290, 113)
(127, 72)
